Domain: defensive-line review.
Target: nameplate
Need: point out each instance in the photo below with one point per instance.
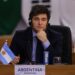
(29, 69)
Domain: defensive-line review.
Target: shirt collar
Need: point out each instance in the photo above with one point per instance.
(34, 33)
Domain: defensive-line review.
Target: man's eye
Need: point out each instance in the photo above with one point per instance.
(44, 19)
(36, 19)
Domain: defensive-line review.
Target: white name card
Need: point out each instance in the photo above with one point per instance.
(29, 69)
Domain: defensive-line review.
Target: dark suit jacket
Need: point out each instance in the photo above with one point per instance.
(22, 45)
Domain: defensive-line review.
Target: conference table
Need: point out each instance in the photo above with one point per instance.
(50, 70)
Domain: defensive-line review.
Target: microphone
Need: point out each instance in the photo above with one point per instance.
(46, 56)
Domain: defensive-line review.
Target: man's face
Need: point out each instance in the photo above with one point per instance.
(39, 22)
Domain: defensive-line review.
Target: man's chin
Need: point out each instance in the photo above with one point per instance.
(39, 30)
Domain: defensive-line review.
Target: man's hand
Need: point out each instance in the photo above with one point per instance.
(41, 35)
(16, 60)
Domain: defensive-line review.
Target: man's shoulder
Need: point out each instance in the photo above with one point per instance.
(54, 32)
(23, 32)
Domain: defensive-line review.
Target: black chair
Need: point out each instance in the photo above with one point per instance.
(67, 42)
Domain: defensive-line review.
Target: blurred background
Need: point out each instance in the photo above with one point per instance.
(14, 14)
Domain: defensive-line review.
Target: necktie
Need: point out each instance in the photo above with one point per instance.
(34, 50)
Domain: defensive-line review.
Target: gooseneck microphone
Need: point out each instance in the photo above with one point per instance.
(46, 56)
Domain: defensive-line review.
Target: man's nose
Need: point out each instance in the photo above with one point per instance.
(40, 22)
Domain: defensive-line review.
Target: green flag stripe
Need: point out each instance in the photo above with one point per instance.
(10, 14)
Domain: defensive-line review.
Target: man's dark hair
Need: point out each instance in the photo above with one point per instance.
(39, 9)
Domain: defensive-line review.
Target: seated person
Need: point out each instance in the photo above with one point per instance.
(30, 45)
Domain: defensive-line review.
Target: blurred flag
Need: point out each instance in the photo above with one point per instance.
(10, 15)
(6, 55)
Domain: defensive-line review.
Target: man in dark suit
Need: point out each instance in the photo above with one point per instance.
(38, 44)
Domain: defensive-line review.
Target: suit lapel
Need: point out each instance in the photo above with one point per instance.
(29, 44)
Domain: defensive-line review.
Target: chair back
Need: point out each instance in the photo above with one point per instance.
(67, 42)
